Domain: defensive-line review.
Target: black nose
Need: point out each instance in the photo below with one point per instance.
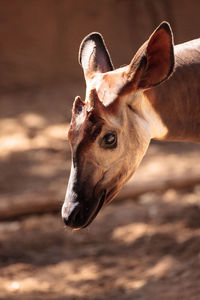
(74, 220)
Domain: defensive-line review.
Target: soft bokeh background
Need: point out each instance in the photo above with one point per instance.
(145, 247)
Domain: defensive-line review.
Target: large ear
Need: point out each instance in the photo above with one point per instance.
(154, 61)
(93, 55)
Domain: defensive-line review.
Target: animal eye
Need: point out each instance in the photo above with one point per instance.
(109, 140)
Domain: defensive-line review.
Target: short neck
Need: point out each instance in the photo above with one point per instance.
(177, 101)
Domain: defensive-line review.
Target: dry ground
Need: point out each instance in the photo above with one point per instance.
(147, 249)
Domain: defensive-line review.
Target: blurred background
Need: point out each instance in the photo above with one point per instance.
(144, 246)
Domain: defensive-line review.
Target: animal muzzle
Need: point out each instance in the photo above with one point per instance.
(80, 212)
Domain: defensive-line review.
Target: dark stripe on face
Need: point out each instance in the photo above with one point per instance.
(93, 127)
(90, 135)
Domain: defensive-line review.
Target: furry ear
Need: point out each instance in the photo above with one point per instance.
(93, 55)
(154, 61)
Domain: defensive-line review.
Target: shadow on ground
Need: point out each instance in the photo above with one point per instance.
(145, 250)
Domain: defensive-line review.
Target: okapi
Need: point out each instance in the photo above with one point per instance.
(156, 96)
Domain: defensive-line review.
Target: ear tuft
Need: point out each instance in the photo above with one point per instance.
(93, 54)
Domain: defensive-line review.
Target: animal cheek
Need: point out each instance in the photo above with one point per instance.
(92, 171)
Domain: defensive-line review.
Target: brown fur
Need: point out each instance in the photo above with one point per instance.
(177, 101)
(132, 106)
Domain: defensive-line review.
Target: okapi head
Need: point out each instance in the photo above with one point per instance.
(110, 131)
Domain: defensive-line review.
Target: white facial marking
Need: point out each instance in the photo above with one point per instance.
(67, 209)
(68, 206)
(107, 85)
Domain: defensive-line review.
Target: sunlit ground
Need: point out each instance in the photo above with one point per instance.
(131, 250)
